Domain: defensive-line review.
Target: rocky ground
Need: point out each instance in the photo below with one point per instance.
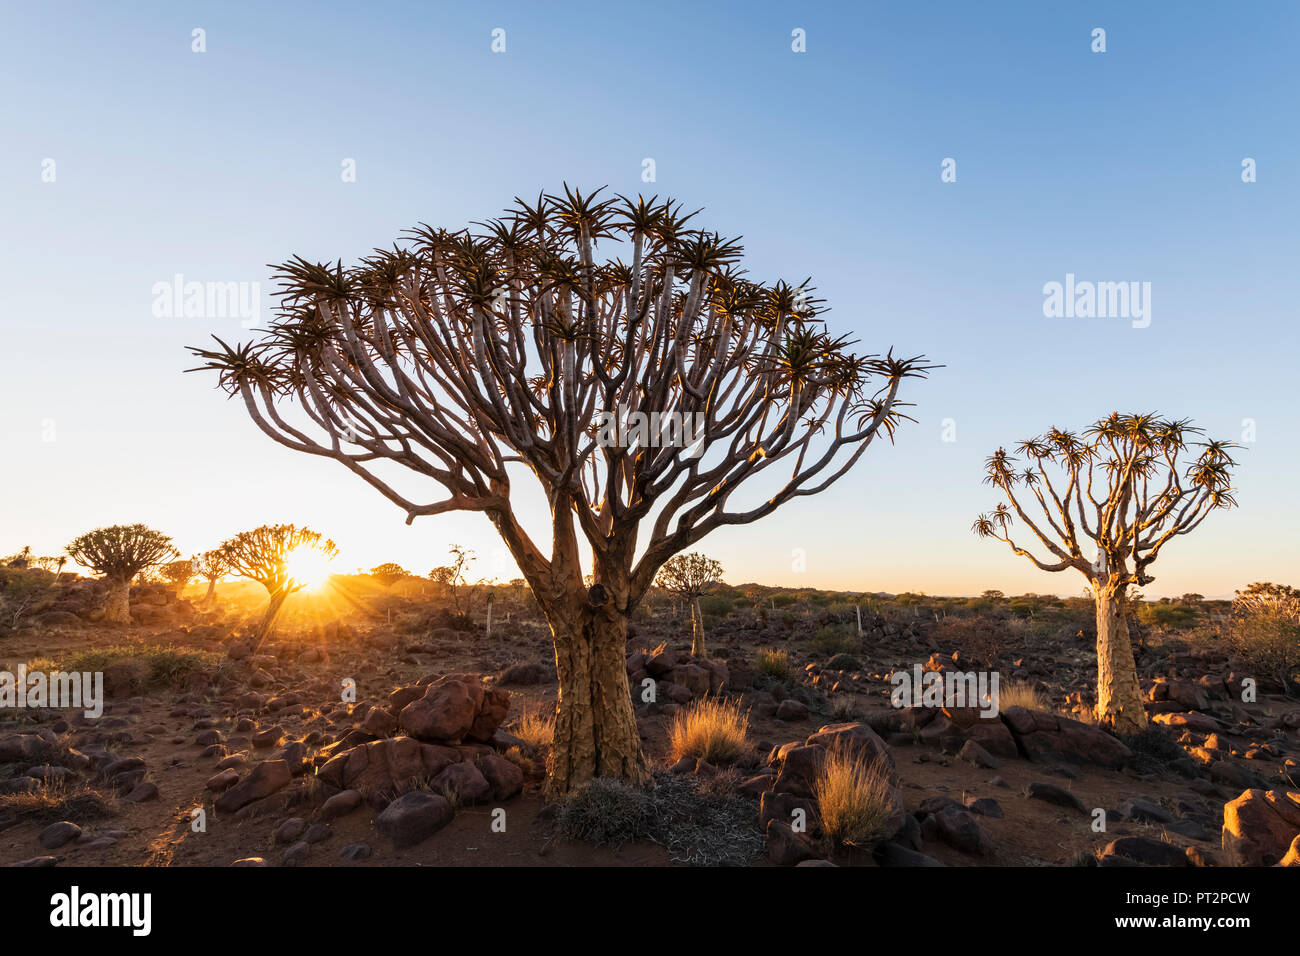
(402, 739)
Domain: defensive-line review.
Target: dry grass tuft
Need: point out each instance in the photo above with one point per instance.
(1018, 694)
(854, 799)
(712, 729)
(535, 728)
(54, 801)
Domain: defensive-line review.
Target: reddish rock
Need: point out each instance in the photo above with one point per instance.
(855, 738)
(267, 777)
(454, 709)
(1259, 827)
(462, 783)
(791, 710)
(414, 817)
(379, 723)
(387, 766)
(787, 848)
(1049, 738)
(504, 776)
(1203, 723)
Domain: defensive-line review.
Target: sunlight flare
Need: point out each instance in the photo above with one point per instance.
(310, 568)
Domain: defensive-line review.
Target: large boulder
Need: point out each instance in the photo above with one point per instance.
(1051, 738)
(386, 767)
(267, 777)
(504, 776)
(414, 817)
(1260, 826)
(799, 763)
(857, 738)
(453, 709)
(462, 783)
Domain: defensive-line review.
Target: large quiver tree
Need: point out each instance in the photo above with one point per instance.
(119, 553)
(461, 357)
(1128, 486)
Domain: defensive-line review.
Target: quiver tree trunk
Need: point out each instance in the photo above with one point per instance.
(273, 607)
(117, 610)
(697, 630)
(1119, 698)
(595, 725)
(211, 597)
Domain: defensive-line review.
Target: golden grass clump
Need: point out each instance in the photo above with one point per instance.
(535, 728)
(712, 729)
(854, 799)
(1018, 694)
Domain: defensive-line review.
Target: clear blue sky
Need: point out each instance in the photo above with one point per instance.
(1115, 166)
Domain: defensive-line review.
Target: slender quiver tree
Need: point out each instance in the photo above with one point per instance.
(470, 358)
(691, 575)
(119, 553)
(211, 566)
(1129, 485)
(264, 554)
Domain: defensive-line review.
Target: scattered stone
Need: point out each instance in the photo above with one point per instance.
(57, 834)
(791, 710)
(959, 830)
(973, 753)
(1055, 795)
(355, 851)
(891, 854)
(1144, 811)
(290, 830)
(142, 792)
(1144, 850)
(296, 855)
(787, 848)
(267, 777)
(985, 807)
(414, 817)
(340, 805)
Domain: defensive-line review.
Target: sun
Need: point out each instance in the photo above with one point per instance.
(309, 568)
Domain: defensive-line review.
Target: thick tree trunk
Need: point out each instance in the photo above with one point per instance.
(697, 630)
(210, 598)
(595, 725)
(118, 608)
(1119, 698)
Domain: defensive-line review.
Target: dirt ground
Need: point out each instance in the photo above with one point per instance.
(161, 725)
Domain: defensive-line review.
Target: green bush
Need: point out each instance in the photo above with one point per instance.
(138, 668)
(774, 663)
(833, 639)
(715, 606)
